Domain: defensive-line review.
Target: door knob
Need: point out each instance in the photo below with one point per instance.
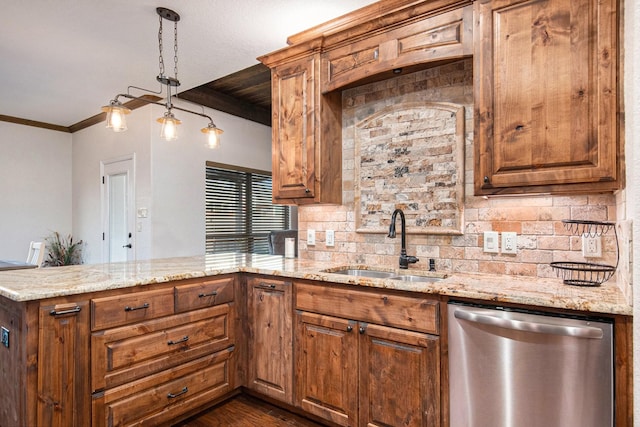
(127, 246)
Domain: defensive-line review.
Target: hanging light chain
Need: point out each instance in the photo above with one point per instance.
(160, 59)
(175, 50)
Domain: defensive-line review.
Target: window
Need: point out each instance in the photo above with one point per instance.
(239, 210)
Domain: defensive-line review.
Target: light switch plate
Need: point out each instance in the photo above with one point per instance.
(509, 242)
(491, 242)
(311, 237)
(330, 238)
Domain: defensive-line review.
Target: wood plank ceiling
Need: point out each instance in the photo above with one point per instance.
(246, 94)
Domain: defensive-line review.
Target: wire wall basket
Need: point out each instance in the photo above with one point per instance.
(587, 273)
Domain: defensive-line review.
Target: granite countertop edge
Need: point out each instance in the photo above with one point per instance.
(45, 283)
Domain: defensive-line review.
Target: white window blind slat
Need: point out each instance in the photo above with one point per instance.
(239, 213)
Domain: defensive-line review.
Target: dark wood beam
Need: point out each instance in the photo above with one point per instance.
(228, 104)
(34, 123)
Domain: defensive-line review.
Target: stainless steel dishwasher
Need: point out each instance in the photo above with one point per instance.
(511, 368)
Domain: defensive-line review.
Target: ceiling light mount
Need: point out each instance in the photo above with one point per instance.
(116, 111)
(168, 14)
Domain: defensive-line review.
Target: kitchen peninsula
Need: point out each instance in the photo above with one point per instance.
(114, 341)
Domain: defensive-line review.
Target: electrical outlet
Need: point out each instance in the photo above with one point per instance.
(4, 337)
(591, 246)
(509, 242)
(491, 242)
(311, 237)
(330, 238)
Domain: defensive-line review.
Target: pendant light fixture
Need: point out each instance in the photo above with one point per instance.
(116, 111)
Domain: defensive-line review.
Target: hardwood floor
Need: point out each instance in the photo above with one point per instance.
(247, 411)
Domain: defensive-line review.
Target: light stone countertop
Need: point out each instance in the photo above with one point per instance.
(43, 283)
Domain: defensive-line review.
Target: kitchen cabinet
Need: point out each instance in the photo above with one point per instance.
(270, 346)
(306, 128)
(161, 353)
(63, 361)
(354, 372)
(445, 36)
(546, 96)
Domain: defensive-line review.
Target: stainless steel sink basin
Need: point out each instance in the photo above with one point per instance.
(414, 278)
(365, 273)
(377, 274)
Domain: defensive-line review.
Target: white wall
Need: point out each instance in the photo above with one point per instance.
(35, 187)
(93, 145)
(178, 176)
(632, 153)
(169, 177)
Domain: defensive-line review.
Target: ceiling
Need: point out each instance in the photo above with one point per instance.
(60, 61)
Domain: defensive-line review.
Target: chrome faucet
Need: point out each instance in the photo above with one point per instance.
(404, 258)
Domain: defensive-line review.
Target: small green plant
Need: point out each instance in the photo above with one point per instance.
(63, 251)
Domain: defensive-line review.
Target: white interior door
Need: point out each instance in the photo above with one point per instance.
(118, 210)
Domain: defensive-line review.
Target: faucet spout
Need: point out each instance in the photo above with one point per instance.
(405, 259)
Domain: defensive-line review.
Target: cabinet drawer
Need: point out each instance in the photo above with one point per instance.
(413, 313)
(203, 294)
(129, 308)
(124, 354)
(160, 398)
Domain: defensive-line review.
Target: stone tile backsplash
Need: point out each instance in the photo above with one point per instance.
(542, 238)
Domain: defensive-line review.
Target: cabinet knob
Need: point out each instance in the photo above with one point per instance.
(362, 330)
(349, 328)
(486, 179)
(306, 190)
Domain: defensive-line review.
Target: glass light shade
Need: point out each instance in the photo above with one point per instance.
(169, 130)
(116, 113)
(213, 135)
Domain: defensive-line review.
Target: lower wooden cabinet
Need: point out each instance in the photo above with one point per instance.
(63, 362)
(399, 378)
(327, 367)
(158, 355)
(355, 373)
(159, 398)
(270, 346)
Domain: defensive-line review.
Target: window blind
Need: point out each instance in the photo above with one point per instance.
(239, 212)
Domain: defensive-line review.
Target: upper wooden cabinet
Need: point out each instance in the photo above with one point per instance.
(307, 129)
(368, 44)
(445, 36)
(546, 97)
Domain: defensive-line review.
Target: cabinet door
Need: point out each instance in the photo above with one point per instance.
(294, 124)
(546, 97)
(327, 367)
(399, 378)
(270, 347)
(64, 395)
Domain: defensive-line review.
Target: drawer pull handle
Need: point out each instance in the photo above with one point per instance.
(184, 339)
(75, 309)
(212, 294)
(174, 395)
(266, 286)
(141, 307)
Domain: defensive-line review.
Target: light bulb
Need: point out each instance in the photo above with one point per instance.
(213, 135)
(116, 119)
(169, 130)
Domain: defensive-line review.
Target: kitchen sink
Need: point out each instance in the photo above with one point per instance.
(414, 278)
(365, 273)
(378, 274)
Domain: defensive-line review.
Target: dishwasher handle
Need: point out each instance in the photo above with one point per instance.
(535, 327)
